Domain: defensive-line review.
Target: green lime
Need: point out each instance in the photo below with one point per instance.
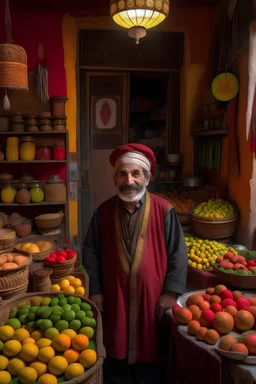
(92, 345)
(57, 310)
(61, 325)
(55, 318)
(31, 326)
(24, 306)
(1, 346)
(80, 315)
(75, 324)
(39, 322)
(46, 313)
(61, 296)
(36, 301)
(66, 307)
(75, 307)
(89, 314)
(46, 301)
(61, 379)
(92, 323)
(77, 301)
(86, 322)
(50, 333)
(31, 316)
(40, 310)
(15, 323)
(24, 311)
(71, 299)
(87, 331)
(13, 313)
(68, 316)
(63, 302)
(23, 319)
(14, 380)
(85, 307)
(33, 309)
(54, 301)
(45, 324)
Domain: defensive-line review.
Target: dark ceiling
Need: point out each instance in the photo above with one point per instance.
(93, 7)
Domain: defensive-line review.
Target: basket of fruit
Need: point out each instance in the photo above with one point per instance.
(61, 262)
(49, 220)
(77, 283)
(235, 270)
(214, 219)
(14, 269)
(50, 338)
(38, 248)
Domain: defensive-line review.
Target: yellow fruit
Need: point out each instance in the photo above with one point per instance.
(88, 358)
(74, 370)
(80, 291)
(61, 342)
(29, 352)
(57, 365)
(44, 245)
(25, 246)
(36, 335)
(6, 332)
(3, 362)
(55, 287)
(76, 283)
(5, 377)
(80, 342)
(11, 348)
(64, 284)
(40, 367)
(46, 354)
(14, 366)
(21, 334)
(88, 331)
(41, 343)
(69, 289)
(47, 379)
(29, 340)
(70, 332)
(27, 375)
(69, 278)
(71, 355)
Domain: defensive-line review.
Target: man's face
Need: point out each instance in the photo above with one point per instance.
(131, 182)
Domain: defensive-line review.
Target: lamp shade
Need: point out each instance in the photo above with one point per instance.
(13, 67)
(139, 13)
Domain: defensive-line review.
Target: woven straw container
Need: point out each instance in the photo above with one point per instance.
(17, 277)
(237, 281)
(92, 375)
(49, 220)
(7, 239)
(60, 270)
(214, 228)
(38, 256)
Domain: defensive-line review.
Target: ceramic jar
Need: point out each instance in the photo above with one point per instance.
(27, 148)
(55, 189)
(12, 149)
(8, 193)
(36, 193)
(59, 151)
(43, 152)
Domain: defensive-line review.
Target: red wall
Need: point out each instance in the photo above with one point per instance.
(31, 28)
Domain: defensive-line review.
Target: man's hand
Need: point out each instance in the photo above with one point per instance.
(98, 301)
(165, 302)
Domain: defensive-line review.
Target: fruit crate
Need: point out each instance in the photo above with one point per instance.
(92, 375)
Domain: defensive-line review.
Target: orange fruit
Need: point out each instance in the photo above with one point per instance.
(71, 355)
(193, 326)
(61, 342)
(88, 358)
(215, 299)
(80, 342)
(223, 322)
(183, 315)
(204, 305)
(231, 310)
(244, 320)
(219, 288)
(240, 347)
(211, 336)
(195, 298)
(200, 333)
(227, 342)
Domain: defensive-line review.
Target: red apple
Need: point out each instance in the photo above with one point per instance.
(73, 253)
(216, 307)
(206, 318)
(242, 303)
(60, 259)
(53, 255)
(228, 255)
(227, 302)
(226, 294)
(50, 259)
(251, 263)
(175, 308)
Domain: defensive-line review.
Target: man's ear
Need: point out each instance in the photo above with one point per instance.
(148, 178)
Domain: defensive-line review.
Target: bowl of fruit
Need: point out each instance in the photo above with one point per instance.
(61, 262)
(214, 219)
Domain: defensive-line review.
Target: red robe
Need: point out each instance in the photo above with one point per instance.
(131, 291)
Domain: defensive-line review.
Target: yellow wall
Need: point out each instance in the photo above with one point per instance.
(197, 27)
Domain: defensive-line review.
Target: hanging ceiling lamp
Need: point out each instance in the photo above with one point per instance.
(13, 62)
(139, 15)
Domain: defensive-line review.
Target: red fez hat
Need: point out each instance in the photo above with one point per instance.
(135, 148)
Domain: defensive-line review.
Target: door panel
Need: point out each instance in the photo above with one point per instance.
(103, 127)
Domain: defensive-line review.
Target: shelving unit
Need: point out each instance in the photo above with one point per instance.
(210, 133)
(47, 168)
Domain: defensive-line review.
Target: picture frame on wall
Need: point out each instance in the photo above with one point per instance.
(105, 114)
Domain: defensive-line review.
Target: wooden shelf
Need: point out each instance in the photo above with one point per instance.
(31, 133)
(210, 133)
(32, 162)
(45, 203)
(166, 181)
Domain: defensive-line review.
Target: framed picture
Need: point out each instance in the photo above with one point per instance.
(105, 114)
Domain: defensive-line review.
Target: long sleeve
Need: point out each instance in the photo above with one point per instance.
(176, 275)
(91, 255)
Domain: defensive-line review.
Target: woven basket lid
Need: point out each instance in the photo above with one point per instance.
(13, 67)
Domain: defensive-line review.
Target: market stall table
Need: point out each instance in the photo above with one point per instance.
(195, 362)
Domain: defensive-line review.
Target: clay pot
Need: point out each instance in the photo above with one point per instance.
(23, 230)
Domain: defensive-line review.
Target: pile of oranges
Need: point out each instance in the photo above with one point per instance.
(70, 285)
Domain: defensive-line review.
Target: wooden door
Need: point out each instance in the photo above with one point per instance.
(103, 126)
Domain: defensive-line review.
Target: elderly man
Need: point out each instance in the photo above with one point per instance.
(135, 255)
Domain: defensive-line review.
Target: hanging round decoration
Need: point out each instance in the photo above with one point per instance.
(225, 86)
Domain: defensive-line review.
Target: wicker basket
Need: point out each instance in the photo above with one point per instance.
(214, 228)
(237, 281)
(92, 375)
(83, 276)
(38, 256)
(62, 269)
(7, 239)
(7, 294)
(12, 278)
(49, 220)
